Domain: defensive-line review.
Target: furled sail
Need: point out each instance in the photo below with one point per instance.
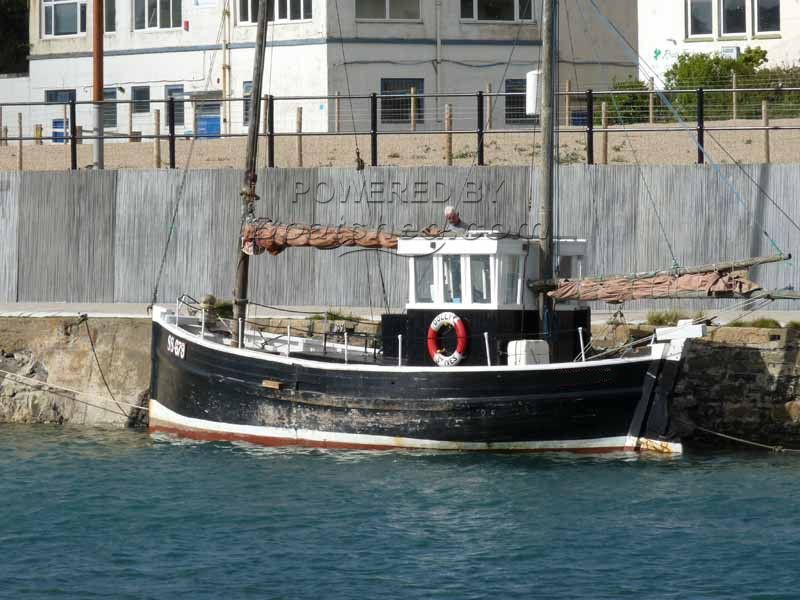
(266, 236)
(662, 286)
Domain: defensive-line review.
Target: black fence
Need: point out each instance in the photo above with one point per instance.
(375, 115)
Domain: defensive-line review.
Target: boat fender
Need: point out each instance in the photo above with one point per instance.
(448, 319)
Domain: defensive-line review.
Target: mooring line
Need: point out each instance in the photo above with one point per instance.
(35, 383)
(746, 442)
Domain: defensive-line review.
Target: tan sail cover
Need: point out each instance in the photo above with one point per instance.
(665, 286)
(260, 237)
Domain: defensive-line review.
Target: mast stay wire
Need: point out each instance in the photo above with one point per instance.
(507, 66)
(634, 56)
(185, 172)
(639, 169)
(360, 168)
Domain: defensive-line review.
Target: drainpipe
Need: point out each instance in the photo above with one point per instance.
(438, 66)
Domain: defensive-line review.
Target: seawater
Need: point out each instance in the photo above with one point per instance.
(119, 514)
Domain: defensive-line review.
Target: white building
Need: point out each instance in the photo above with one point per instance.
(202, 52)
(668, 28)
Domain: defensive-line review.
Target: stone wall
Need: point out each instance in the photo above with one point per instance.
(58, 351)
(742, 382)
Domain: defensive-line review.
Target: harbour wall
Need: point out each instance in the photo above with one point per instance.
(93, 236)
(737, 381)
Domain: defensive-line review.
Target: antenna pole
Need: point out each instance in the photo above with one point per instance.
(549, 12)
(250, 177)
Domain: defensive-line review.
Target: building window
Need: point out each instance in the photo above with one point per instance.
(388, 9)
(768, 16)
(247, 89)
(288, 10)
(398, 110)
(734, 17)
(157, 14)
(59, 96)
(110, 109)
(176, 91)
(515, 105)
(497, 10)
(110, 15)
(141, 99)
(248, 11)
(63, 17)
(701, 17)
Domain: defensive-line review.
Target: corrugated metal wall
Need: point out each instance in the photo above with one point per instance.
(9, 196)
(99, 236)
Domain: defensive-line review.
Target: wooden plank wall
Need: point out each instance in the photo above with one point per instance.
(99, 236)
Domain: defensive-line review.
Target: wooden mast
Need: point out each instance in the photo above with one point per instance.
(549, 15)
(250, 177)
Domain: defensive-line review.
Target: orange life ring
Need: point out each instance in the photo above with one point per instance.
(434, 350)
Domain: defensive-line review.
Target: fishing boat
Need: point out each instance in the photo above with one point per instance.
(490, 353)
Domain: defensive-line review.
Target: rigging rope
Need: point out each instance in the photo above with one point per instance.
(636, 58)
(640, 170)
(185, 173)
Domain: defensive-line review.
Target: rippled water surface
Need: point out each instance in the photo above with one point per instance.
(111, 514)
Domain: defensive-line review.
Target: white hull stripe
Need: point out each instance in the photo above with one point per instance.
(163, 418)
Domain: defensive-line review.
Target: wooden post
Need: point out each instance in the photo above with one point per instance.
(734, 96)
(299, 137)
(765, 123)
(265, 122)
(448, 126)
(2, 136)
(157, 139)
(79, 134)
(37, 133)
(604, 138)
(19, 152)
(337, 110)
(130, 121)
(413, 109)
(651, 97)
(489, 106)
(194, 118)
(5, 136)
(567, 103)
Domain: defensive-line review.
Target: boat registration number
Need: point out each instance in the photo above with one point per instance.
(176, 347)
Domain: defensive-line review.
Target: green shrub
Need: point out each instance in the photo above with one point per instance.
(665, 318)
(757, 323)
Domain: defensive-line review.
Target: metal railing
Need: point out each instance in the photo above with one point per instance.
(376, 115)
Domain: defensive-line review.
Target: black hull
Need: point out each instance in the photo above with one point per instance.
(211, 392)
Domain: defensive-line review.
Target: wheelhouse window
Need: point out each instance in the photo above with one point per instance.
(701, 17)
(768, 16)
(423, 279)
(451, 274)
(157, 14)
(63, 17)
(141, 99)
(398, 110)
(497, 10)
(512, 279)
(176, 91)
(388, 9)
(734, 17)
(480, 276)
